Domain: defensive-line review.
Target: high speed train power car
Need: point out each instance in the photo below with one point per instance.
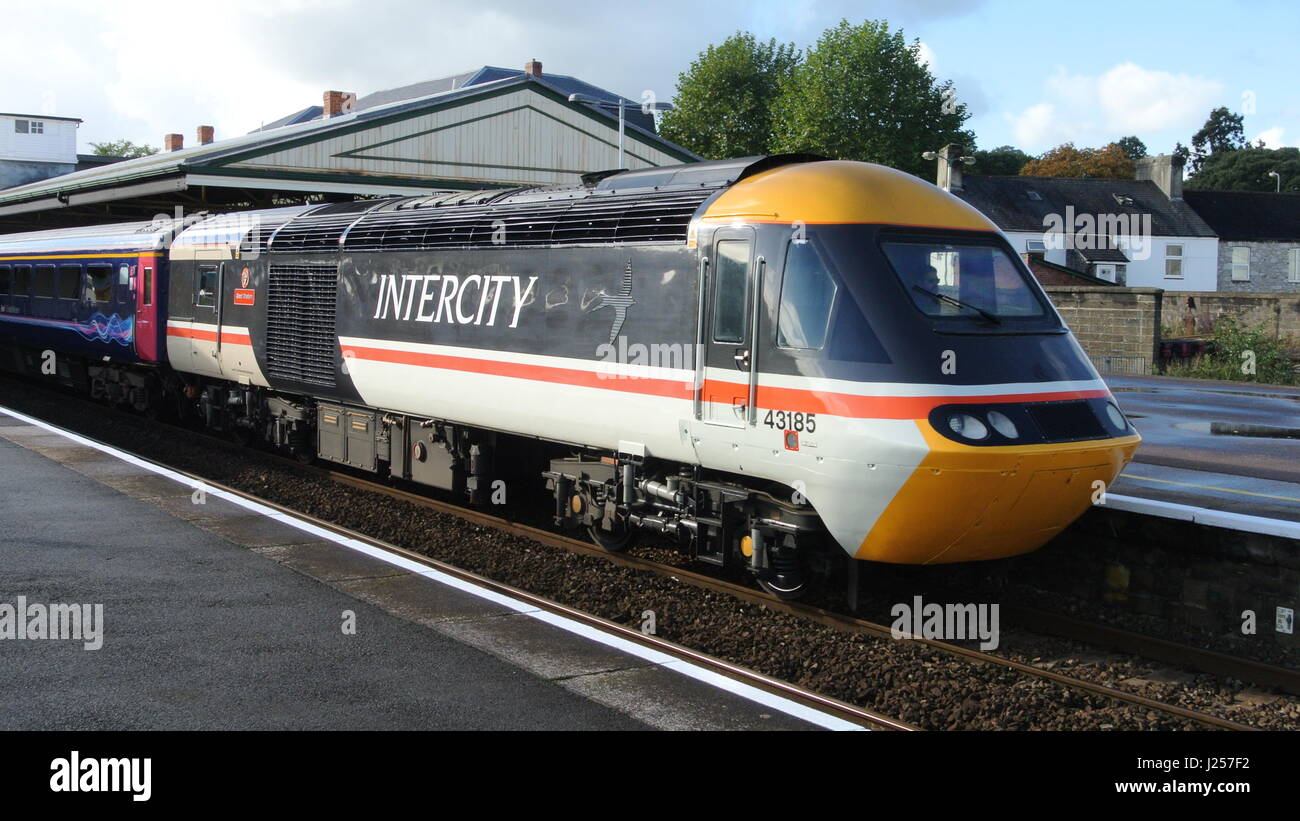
(766, 358)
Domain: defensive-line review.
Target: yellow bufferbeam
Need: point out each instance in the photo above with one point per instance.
(839, 191)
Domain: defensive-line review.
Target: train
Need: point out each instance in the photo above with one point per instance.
(777, 362)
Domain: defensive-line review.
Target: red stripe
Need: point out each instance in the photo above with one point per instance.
(796, 399)
(227, 338)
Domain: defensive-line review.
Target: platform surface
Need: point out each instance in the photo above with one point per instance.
(1222, 445)
(215, 618)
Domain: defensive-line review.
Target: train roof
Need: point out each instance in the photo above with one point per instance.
(658, 204)
(647, 205)
(128, 238)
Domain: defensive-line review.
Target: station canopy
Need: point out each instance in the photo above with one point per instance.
(503, 133)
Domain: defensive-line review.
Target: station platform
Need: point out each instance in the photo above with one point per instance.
(1226, 446)
(218, 618)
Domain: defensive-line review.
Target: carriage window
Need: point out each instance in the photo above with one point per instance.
(22, 280)
(4, 280)
(44, 281)
(99, 283)
(205, 287)
(807, 292)
(731, 285)
(147, 286)
(69, 281)
(124, 275)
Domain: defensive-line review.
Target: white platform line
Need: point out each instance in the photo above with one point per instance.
(721, 682)
(1204, 516)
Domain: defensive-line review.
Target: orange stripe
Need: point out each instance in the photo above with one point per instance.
(541, 373)
(227, 337)
(795, 399)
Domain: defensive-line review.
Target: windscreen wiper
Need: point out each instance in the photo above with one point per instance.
(955, 301)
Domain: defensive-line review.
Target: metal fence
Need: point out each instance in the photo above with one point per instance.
(1123, 365)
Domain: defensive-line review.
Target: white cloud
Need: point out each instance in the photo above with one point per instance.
(1126, 99)
(927, 55)
(1272, 137)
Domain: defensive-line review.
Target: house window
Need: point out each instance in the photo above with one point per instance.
(29, 127)
(1173, 262)
(1293, 275)
(1241, 263)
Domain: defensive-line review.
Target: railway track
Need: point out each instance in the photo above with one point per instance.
(1237, 668)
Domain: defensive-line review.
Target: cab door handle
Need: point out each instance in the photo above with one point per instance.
(742, 359)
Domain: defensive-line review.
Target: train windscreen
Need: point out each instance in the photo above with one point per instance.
(959, 281)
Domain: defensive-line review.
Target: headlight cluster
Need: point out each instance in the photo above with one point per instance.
(969, 426)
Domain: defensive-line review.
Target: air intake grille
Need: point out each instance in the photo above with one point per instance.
(1064, 421)
(663, 217)
(300, 339)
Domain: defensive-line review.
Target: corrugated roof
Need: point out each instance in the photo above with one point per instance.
(306, 115)
(1248, 215)
(1008, 202)
(171, 163)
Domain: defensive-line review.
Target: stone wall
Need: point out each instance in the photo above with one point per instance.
(1270, 268)
(1119, 328)
(1195, 312)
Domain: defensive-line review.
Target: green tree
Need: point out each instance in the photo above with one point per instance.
(723, 106)
(1132, 147)
(1222, 132)
(122, 148)
(1246, 169)
(863, 93)
(1005, 160)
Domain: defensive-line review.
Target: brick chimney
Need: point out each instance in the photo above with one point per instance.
(339, 102)
(206, 134)
(1166, 171)
(173, 142)
(533, 67)
(949, 171)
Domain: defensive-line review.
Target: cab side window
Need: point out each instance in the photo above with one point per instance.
(205, 287)
(731, 286)
(6, 280)
(807, 293)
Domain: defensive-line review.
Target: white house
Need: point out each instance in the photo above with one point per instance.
(36, 147)
(1137, 232)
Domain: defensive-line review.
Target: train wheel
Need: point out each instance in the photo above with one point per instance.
(794, 574)
(615, 540)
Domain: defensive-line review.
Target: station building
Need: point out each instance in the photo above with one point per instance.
(491, 128)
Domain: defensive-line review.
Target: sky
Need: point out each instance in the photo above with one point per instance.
(1032, 74)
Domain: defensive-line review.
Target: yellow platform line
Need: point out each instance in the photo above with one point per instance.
(1210, 487)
